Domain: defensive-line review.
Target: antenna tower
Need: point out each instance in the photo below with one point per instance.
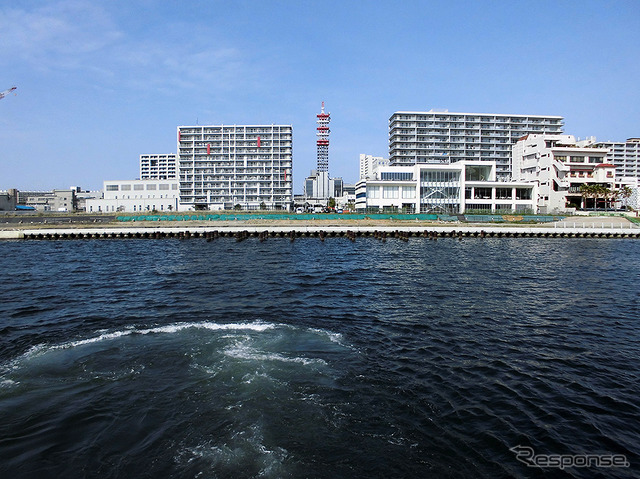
(323, 140)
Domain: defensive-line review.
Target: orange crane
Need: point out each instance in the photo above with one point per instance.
(6, 92)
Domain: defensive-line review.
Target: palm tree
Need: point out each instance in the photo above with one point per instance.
(605, 193)
(588, 191)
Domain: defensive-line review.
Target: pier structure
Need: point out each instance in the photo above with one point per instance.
(304, 231)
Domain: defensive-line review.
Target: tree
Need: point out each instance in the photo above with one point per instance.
(587, 191)
(331, 203)
(604, 193)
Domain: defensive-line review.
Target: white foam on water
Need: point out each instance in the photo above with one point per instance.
(238, 333)
(103, 335)
(243, 451)
(247, 352)
(168, 329)
(333, 337)
(8, 383)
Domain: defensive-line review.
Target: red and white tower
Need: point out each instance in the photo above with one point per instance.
(323, 140)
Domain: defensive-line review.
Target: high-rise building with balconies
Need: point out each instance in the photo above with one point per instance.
(625, 155)
(223, 166)
(444, 137)
(158, 167)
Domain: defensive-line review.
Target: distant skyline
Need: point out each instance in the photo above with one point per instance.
(102, 82)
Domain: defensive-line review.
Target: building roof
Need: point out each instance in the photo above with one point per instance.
(436, 112)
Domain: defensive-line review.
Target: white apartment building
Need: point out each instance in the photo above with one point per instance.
(369, 164)
(442, 137)
(222, 166)
(625, 155)
(135, 196)
(158, 167)
(453, 188)
(560, 166)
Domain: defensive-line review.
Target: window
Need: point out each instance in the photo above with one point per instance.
(390, 192)
(577, 159)
(151, 187)
(482, 193)
(523, 193)
(373, 192)
(503, 193)
(112, 187)
(164, 186)
(408, 192)
(439, 176)
(125, 187)
(396, 175)
(138, 187)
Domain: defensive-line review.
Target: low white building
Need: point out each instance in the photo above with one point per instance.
(135, 196)
(560, 166)
(456, 188)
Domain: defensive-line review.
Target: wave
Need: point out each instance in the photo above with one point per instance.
(240, 350)
(167, 329)
(249, 353)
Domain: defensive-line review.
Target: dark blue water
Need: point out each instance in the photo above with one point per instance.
(188, 359)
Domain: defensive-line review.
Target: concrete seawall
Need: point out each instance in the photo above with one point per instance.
(322, 232)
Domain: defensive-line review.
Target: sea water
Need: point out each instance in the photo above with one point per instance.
(195, 359)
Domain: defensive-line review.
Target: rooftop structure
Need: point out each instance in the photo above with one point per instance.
(442, 137)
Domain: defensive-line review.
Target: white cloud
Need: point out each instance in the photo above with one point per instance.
(83, 37)
(59, 35)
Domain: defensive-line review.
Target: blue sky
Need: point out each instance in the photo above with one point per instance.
(101, 82)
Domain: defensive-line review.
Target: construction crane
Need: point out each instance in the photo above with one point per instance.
(6, 92)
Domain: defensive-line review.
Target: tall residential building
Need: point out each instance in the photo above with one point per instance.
(369, 165)
(221, 167)
(158, 167)
(444, 137)
(625, 155)
(560, 166)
